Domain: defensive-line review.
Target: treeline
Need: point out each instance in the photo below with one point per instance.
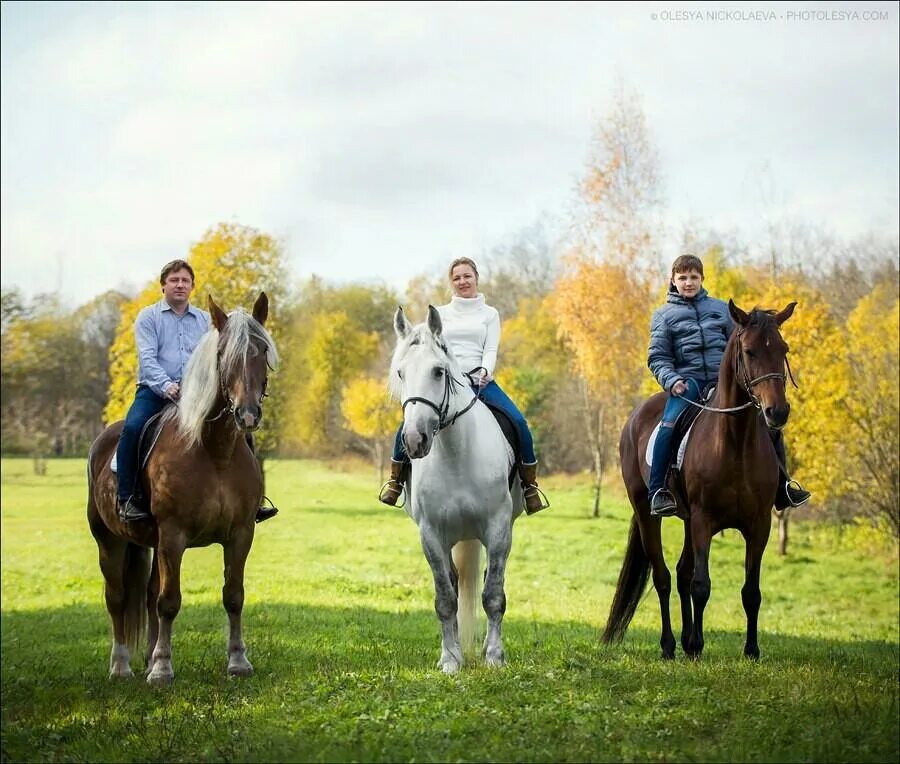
(576, 312)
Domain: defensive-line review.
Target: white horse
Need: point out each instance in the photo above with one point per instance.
(459, 489)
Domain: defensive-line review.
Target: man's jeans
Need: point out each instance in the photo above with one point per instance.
(490, 393)
(146, 404)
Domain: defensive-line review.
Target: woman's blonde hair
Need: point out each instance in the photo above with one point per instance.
(462, 261)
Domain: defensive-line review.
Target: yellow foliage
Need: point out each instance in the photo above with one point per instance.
(368, 409)
(336, 351)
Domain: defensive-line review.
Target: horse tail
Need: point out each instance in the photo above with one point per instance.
(135, 579)
(630, 587)
(467, 560)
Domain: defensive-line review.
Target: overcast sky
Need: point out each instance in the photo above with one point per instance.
(379, 140)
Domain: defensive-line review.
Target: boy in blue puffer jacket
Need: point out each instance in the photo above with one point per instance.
(687, 341)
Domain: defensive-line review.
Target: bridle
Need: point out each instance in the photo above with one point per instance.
(747, 383)
(229, 406)
(451, 384)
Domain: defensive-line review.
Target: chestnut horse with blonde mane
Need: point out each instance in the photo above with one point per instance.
(728, 480)
(204, 486)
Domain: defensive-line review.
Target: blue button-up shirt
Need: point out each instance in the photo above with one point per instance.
(165, 342)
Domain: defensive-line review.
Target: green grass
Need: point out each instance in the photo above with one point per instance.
(340, 628)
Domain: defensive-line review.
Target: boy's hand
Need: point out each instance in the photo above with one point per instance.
(679, 387)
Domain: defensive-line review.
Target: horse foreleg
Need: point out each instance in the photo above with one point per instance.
(750, 594)
(493, 598)
(445, 601)
(684, 571)
(170, 553)
(112, 564)
(235, 553)
(700, 584)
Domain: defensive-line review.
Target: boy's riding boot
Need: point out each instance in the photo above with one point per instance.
(390, 491)
(535, 500)
(663, 504)
(790, 493)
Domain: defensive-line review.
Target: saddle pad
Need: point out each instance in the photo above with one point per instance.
(679, 457)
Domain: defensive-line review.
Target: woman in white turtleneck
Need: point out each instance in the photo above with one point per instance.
(471, 329)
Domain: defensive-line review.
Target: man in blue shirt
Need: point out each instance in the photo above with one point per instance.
(166, 334)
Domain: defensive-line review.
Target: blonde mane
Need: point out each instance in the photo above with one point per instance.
(200, 386)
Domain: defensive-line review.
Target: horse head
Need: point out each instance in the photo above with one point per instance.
(422, 377)
(245, 354)
(760, 360)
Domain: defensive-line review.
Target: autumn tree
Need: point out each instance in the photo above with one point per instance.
(371, 414)
(603, 296)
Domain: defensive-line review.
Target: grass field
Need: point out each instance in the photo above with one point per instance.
(341, 630)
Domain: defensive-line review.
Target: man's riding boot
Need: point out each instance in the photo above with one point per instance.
(131, 511)
(390, 491)
(535, 500)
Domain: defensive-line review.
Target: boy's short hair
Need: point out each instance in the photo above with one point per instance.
(171, 267)
(687, 262)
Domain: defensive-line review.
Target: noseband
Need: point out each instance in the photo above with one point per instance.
(443, 411)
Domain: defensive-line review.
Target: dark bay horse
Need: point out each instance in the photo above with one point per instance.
(730, 476)
(204, 486)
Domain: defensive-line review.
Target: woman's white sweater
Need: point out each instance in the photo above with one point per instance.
(472, 331)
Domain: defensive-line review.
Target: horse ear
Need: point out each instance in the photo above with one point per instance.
(434, 321)
(261, 308)
(401, 325)
(739, 316)
(218, 315)
(780, 318)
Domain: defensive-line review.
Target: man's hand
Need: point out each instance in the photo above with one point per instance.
(679, 387)
(173, 391)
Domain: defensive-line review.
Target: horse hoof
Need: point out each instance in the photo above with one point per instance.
(752, 655)
(240, 671)
(121, 673)
(449, 666)
(494, 658)
(160, 678)
(668, 655)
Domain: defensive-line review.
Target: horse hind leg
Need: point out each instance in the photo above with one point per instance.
(651, 538)
(235, 553)
(445, 602)
(112, 564)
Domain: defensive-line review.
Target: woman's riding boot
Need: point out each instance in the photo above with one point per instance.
(390, 491)
(535, 500)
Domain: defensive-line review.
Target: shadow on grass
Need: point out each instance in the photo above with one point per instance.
(357, 683)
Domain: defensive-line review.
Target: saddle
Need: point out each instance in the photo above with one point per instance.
(511, 433)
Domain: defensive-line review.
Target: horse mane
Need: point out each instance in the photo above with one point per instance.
(419, 335)
(200, 386)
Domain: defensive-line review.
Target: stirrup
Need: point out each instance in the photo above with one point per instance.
(401, 496)
(545, 502)
(795, 486)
